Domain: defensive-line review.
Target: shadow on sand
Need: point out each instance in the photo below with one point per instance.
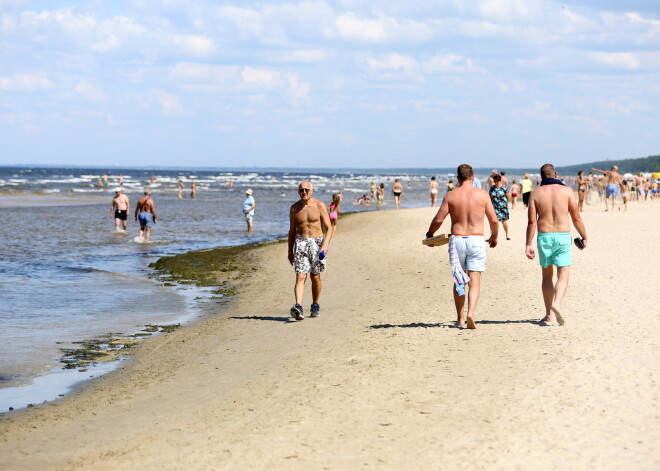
(264, 318)
(450, 325)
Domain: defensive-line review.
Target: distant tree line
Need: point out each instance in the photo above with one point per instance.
(643, 164)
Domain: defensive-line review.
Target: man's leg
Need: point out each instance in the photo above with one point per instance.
(473, 297)
(561, 285)
(459, 301)
(141, 233)
(548, 289)
(117, 221)
(299, 288)
(147, 233)
(316, 286)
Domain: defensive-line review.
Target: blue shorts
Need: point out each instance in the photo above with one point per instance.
(146, 219)
(554, 249)
(611, 190)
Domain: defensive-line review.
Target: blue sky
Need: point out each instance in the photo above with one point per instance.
(355, 83)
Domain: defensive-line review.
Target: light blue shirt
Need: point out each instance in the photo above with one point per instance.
(247, 204)
(477, 183)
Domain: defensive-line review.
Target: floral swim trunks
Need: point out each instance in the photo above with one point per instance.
(306, 255)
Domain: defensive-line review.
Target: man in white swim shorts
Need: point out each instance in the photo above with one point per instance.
(466, 206)
(308, 247)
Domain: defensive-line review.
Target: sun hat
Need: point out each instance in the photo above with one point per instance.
(248, 191)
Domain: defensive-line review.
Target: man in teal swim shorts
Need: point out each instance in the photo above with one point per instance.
(549, 208)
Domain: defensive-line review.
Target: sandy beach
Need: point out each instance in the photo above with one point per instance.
(382, 379)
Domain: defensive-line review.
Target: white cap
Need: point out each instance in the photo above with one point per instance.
(248, 191)
(118, 189)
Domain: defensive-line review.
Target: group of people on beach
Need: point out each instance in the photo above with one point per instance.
(552, 207)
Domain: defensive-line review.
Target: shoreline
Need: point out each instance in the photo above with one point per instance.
(381, 378)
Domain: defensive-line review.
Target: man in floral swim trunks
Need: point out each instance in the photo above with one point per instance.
(308, 247)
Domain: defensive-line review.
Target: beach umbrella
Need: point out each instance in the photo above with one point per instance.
(628, 175)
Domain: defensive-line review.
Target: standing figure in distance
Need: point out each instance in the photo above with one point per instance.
(119, 209)
(397, 191)
(248, 209)
(433, 190)
(145, 211)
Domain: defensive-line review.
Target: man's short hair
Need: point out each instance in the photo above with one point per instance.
(548, 171)
(503, 173)
(311, 187)
(614, 167)
(464, 172)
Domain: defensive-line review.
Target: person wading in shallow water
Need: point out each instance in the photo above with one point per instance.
(145, 211)
(308, 218)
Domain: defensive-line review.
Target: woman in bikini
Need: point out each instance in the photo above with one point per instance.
(582, 189)
(333, 210)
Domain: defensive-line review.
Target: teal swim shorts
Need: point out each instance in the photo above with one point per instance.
(554, 249)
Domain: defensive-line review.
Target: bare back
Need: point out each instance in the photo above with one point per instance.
(145, 205)
(467, 207)
(550, 206)
(307, 218)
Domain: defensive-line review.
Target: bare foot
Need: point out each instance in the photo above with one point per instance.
(461, 325)
(470, 323)
(560, 318)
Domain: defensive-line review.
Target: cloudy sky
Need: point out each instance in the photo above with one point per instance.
(359, 83)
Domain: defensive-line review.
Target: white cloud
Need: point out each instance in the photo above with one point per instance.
(194, 44)
(620, 60)
(26, 82)
(396, 62)
(89, 91)
(451, 64)
(169, 103)
(302, 56)
(350, 27)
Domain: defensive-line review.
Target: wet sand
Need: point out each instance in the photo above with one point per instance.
(382, 379)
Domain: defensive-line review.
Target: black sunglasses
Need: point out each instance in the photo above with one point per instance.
(304, 190)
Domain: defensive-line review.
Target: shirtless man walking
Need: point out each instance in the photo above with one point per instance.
(145, 211)
(308, 218)
(119, 209)
(467, 206)
(613, 182)
(549, 208)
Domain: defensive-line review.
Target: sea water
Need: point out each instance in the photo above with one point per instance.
(66, 276)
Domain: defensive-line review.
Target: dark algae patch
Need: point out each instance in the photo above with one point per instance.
(221, 268)
(107, 348)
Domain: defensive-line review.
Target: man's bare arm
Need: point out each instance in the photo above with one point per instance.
(577, 220)
(492, 222)
(605, 172)
(292, 233)
(531, 228)
(439, 218)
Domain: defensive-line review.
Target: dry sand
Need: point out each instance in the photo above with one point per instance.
(382, 380)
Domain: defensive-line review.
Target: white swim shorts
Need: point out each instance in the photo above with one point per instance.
(471, 252)
(306, 255)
